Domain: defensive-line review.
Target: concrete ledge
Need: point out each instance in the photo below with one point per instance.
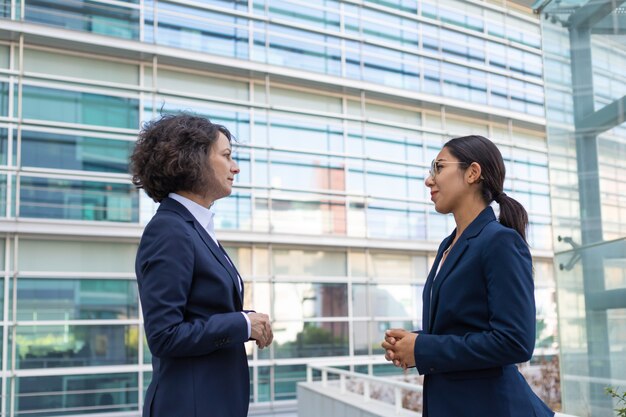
(314, 400)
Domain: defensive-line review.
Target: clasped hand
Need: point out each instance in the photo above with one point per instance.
(399, 347)
(261, 329)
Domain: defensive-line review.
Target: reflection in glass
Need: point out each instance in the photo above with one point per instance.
(43, 346)
(71, 299)
(310, 339)
(286, 379)
(52, 150)
(300, 262)
(87, 16)
(78, 200)
(75, 394)
(308, 300)
(78, 107)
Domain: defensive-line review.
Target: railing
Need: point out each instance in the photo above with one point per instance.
(368, 380)
(398, 386)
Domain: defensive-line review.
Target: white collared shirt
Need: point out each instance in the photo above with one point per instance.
(204, 216)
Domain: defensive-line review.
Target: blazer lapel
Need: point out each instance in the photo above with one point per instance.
(221, 257)
(453, 257)
(428, 285)
(473, 229)
(173, 205)
(233, 269)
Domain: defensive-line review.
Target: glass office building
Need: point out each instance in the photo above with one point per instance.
(338, 107)
(585, 58)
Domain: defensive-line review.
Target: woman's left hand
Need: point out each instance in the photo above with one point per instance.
(399, 345)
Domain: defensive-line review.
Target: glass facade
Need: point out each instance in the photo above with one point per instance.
(338, 108)
(585, 54)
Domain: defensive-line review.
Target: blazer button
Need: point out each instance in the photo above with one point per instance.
(432, 369)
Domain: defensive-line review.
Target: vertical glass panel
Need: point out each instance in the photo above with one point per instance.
(76, 107)
(4, 210)
(4, 142)
(298, 262)
(76, 256)
(75, 394)
(4, 50)
(396, 266)
(242, 258)
(395, 301)
(358, 264)
(286, 379)
(78, 200)
(234, 212)
(43, 346)
(310, 300)
(4, 99)
(310, 339)
(82, 153)
(87, 16)
(72, 299)
(264, 383)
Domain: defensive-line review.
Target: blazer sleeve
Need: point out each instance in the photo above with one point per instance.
(164, 267)
(507, 266)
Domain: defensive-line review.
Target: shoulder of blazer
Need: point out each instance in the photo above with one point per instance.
(476, 227)
(169, 205)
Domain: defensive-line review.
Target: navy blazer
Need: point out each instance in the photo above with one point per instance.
(192, 316)
(478, 322)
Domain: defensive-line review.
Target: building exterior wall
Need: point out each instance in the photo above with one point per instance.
(338, 108)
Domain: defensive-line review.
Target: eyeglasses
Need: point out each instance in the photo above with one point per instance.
(437, 166)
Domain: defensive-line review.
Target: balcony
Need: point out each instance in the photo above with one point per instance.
(334, 392)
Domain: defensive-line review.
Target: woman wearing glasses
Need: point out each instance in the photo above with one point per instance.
(478, 301)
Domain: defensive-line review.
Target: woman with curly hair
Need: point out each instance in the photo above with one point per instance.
(191, 293)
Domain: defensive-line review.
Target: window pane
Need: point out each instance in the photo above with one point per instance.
(297, 262)
(309, 300)
(85, 15)
(52, 150)
(76, 107)
(71, 299)
(286, 379)
(57, 63)
(310, 339)
(78, 200)
(75, 394)
(76, 256)
(44, 346)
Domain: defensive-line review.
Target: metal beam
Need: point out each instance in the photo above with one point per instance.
(606, 300)
(592, 12)
(608, 117)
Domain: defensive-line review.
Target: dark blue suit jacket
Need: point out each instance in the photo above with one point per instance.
(478, 322)
(192, 313)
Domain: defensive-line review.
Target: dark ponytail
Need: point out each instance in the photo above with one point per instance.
(484, 152)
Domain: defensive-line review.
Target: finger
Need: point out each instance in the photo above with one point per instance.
(396, 362)
(390, 340)
(396, 333)
(386, 346)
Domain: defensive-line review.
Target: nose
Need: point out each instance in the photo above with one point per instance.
(429, 181)
(234, 168)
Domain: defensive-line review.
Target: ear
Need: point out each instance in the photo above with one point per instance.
(473, 173)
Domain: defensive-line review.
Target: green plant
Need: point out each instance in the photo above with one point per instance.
(621, 400)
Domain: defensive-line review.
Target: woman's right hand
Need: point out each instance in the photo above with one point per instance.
(260, 329)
